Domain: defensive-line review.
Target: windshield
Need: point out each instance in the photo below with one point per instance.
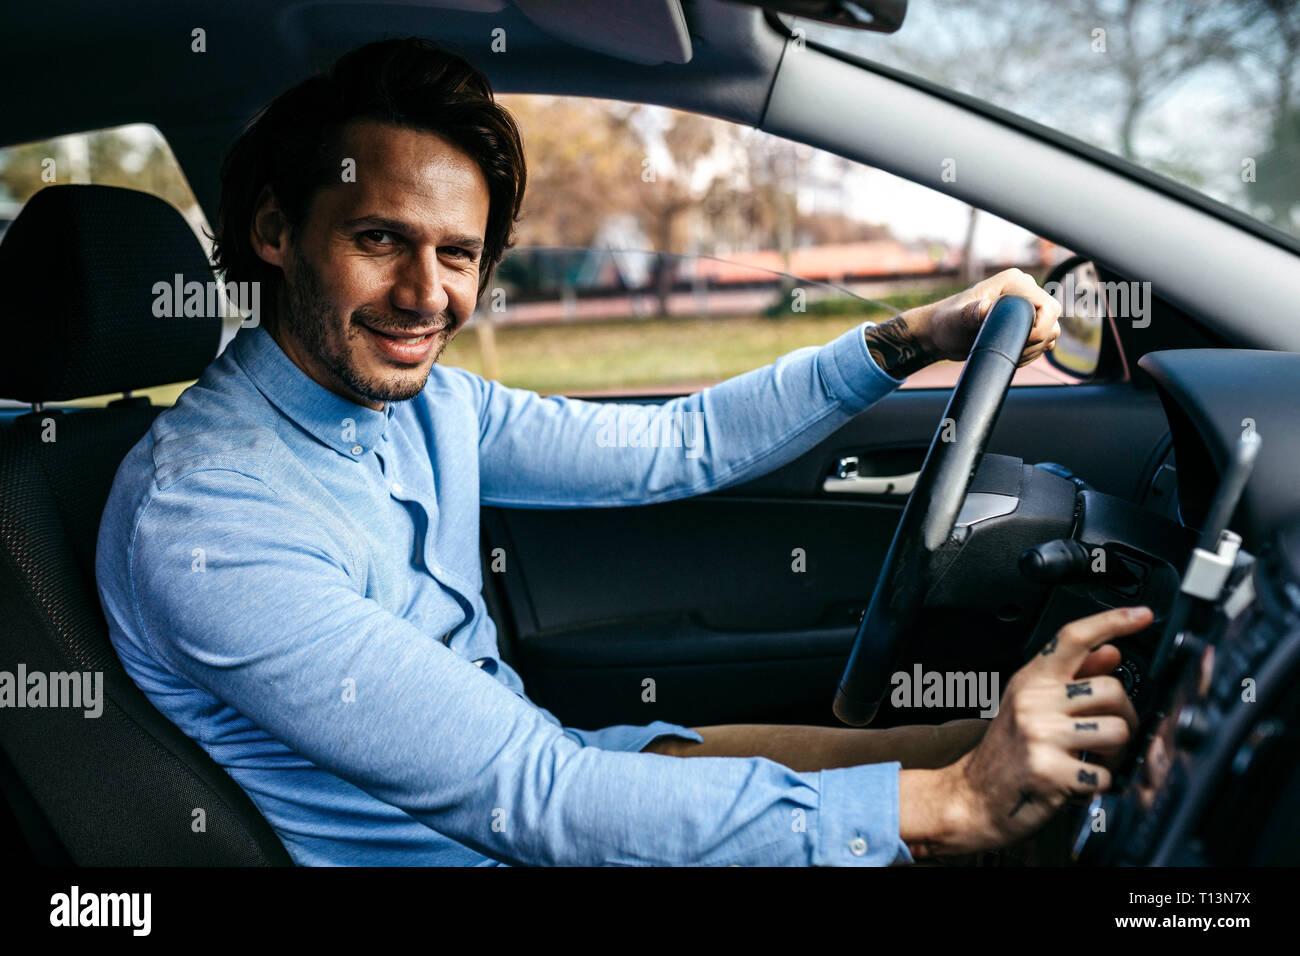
(1201, 92)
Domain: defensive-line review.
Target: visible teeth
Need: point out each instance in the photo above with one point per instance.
(407, 339)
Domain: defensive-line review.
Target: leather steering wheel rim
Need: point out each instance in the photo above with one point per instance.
(931, 510)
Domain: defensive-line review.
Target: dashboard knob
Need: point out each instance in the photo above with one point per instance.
(1129, 674)
(1191, 726)
(1187, 645)
(1063, 561)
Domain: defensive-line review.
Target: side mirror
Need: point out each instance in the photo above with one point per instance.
(1075, 284)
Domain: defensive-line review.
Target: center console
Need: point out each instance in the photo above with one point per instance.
(1214, 776)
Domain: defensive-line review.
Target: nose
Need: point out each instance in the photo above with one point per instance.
(419, 290)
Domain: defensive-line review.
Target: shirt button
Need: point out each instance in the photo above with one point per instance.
(357, 449)
(858, 847)
(385, 436)
(436, 569)
(397, 488)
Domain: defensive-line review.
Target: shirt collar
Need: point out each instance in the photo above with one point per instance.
(350, 429)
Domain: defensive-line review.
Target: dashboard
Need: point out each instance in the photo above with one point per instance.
(1215, 779)
(1214, 775)
(1211, 398)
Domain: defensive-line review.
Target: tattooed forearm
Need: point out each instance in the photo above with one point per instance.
(896, 349)
(1077, 689)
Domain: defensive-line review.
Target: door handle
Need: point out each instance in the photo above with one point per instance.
(846, 480)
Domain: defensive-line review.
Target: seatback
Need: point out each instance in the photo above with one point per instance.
(79, 266)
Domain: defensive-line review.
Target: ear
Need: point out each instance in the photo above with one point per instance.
(269, 230)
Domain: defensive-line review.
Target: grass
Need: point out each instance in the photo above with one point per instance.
(664, 351)
(600, 356)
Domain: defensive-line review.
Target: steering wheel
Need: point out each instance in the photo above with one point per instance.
(931, 511)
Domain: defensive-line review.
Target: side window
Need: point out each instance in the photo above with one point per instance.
(660, 251)
(135, 157)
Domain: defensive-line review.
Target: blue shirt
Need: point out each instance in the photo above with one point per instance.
(294, 580)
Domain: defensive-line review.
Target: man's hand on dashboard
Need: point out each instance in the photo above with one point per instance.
(1059, 705)
(946, 329)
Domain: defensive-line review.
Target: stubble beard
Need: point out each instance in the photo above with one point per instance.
(309, 316)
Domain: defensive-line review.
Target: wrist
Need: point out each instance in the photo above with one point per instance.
(902, 345)
(933, 814)
(920, 323)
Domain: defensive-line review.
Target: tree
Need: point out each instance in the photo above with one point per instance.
(584, 164)
(1275, 189)
(669, 193)
(131, 157)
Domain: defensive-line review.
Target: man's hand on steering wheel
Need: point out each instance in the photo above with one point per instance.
(1056, 708)
(946, 329)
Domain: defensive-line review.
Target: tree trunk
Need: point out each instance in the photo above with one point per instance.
(967, 270)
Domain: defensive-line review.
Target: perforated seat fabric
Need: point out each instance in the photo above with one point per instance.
(122, 788)
(82, 263)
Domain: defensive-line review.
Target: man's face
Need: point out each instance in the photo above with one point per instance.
(383, 272)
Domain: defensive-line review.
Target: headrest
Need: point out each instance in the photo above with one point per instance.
(83, 309)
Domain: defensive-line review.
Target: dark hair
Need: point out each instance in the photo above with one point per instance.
(409, 83)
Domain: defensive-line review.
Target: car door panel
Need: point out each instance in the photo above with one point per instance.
(741, 605)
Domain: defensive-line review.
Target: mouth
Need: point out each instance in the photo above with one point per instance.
(406, 346)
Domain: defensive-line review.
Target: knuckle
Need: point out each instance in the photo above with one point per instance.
(1037, 764)
(1033, 731)
(1110, 687)
(1022, 713)
(1072, 633)
(1120, 729)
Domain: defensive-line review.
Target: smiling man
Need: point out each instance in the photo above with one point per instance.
(289, 558)
(384, 272)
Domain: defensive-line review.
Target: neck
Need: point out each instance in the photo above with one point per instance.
(293, 350)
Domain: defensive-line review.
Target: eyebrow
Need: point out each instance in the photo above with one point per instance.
(472, 243)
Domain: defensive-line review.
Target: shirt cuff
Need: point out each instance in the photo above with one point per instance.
(630, 738)
(858, 818)
(851, 372)
(872, 358)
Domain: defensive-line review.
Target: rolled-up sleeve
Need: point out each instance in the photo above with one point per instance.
(272, 620)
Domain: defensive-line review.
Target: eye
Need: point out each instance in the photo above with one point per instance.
(377, 237)
(459, 253)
